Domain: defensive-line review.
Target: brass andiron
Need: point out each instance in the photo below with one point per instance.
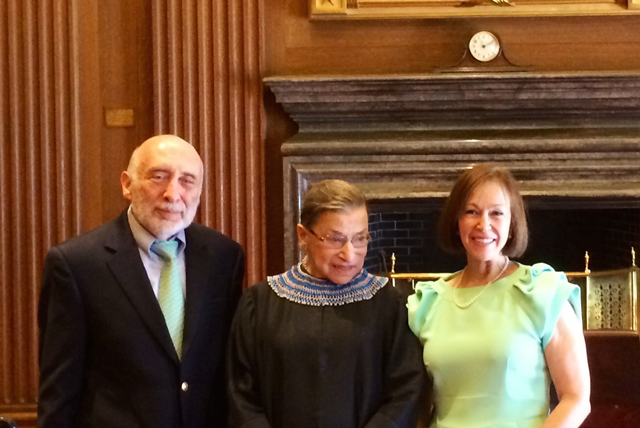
(411, 277)
(586, 262)
(393, 269)
(633, 257)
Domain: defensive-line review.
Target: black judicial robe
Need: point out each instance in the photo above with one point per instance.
(292, 365)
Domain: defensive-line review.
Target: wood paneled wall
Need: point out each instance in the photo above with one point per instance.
(296, 45)
(45, 116)
(190, 67)
(207, 88)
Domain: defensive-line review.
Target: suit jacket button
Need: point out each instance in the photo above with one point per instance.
(185, 386)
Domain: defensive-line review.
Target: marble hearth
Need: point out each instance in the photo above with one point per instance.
(573, 140)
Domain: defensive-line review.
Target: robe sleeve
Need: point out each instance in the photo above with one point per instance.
(406, 382)
(246, 409)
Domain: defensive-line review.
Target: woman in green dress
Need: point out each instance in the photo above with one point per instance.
(496, 333)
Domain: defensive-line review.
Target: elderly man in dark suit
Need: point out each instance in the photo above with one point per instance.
(134, 315)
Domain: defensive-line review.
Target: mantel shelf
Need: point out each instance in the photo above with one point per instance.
(459, 100)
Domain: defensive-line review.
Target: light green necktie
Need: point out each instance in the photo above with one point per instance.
(170, 295)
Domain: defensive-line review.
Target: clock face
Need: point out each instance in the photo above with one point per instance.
(484, 46)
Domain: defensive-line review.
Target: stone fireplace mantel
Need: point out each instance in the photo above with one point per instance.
(408, 137)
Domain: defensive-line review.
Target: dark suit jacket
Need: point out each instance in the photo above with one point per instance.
(106, 357)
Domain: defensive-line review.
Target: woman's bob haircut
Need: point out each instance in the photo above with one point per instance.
(454, 206)
(329, 196)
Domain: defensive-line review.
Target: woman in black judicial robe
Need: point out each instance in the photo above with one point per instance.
(326, 344)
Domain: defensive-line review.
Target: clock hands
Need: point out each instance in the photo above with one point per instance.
(487, 44)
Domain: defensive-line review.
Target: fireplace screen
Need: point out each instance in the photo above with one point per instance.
(611, 300)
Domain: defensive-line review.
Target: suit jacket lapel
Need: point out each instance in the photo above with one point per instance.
(198, 265)
(131, 275)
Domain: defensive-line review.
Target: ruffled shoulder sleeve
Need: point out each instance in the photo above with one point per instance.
(543, 293)
(419, 304)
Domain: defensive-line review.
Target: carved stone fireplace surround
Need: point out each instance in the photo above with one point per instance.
(574, 136)
(567, 137)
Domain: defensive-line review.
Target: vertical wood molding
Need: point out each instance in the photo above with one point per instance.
(31, 172)
(209, 92)
(218, 202)
(254, 142)
(5, 213)
(42, 177)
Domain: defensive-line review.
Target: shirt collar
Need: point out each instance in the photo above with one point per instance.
(144, 239)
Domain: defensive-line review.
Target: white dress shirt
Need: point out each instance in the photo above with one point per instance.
(151, 261)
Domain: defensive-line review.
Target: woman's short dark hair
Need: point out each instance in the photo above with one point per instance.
(454, 206)
(329, 195)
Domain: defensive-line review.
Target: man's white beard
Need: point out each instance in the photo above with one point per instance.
(160, 228)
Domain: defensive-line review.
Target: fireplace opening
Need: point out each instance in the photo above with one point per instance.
(561, 230)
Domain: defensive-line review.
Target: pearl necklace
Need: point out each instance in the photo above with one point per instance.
(484, 287)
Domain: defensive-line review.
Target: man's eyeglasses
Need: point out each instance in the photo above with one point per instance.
(335, 241)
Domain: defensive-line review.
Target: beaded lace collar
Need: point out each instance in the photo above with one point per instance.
(299, 287)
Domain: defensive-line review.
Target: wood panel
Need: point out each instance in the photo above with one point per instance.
(298, 46)
(126, 82)
(42, 147)
(614, 359)
(207, 89)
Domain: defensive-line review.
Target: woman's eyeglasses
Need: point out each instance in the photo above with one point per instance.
(336, 241)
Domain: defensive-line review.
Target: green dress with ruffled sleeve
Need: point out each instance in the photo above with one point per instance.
(488, 359)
